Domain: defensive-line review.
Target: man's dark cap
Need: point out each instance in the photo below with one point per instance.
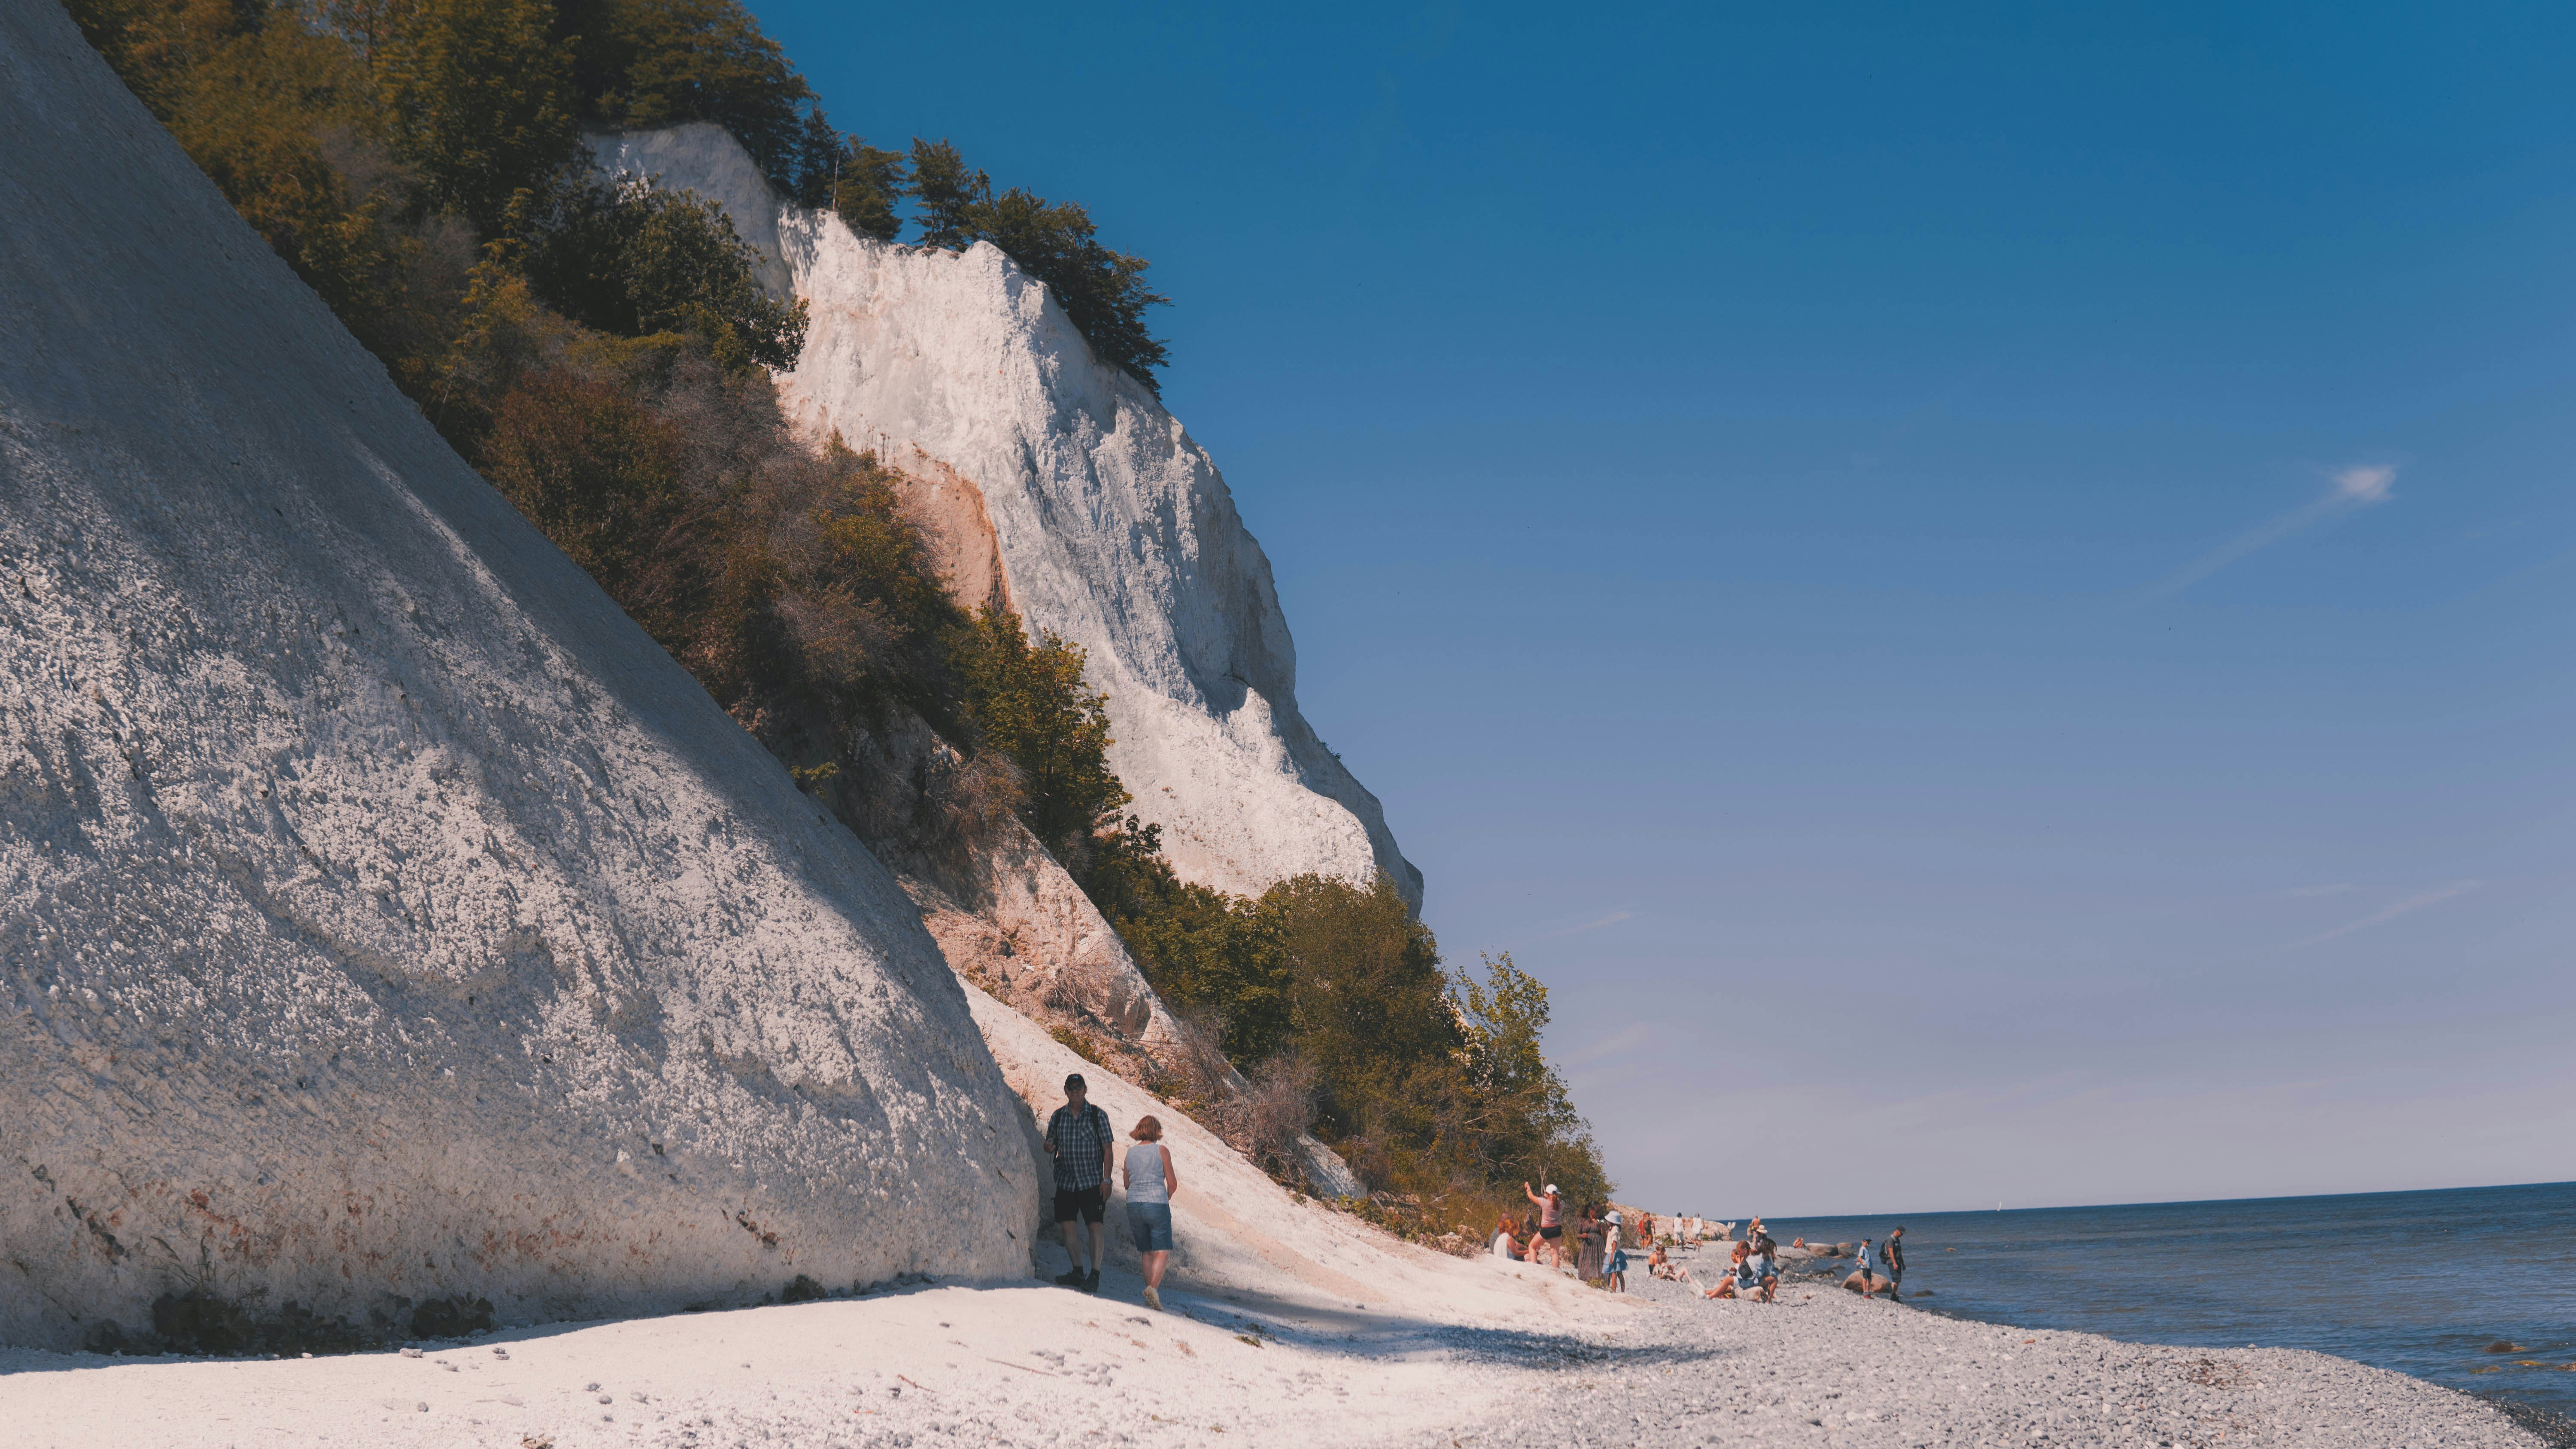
(1075, 1081)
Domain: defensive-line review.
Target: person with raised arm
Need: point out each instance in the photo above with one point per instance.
(1551, 1224)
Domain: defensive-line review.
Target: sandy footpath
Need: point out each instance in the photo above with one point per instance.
(1031, 1366)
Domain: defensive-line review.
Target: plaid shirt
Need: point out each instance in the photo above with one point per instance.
(1080, 1140)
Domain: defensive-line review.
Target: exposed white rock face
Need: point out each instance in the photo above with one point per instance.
(383, 915)
(1113, 528)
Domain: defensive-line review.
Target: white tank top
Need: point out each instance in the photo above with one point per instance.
(1145, 1174)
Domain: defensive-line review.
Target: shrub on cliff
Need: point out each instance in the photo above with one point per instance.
(1027, 699)
(630, 259)
(1431, 1082)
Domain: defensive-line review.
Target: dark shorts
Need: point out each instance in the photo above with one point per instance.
(1552, 1234)
(1091, 1204)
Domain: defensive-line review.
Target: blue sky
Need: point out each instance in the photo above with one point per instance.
(1985, 591)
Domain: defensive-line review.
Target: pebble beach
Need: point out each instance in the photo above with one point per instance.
(941, 1364)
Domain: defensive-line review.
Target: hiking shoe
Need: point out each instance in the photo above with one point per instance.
(1073, 1279)
(1091, 1283)
(1153, 1299)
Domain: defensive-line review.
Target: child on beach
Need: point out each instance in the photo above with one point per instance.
(1865, 1268)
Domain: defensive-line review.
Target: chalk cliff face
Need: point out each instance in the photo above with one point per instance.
(384, 918)
(1108, 524)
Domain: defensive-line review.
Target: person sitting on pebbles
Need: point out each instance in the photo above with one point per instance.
(1738, 1277)
(1764, 1260)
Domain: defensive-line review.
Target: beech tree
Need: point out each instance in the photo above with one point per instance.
(479, 97)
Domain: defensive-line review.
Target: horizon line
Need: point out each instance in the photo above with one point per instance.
(2148, 1202)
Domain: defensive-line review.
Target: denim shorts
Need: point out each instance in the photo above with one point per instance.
(1150, 1223)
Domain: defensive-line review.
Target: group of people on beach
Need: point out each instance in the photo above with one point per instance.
(1599, 1252)
(1753, 1270)
(1083, 1142)
(1753, 1262)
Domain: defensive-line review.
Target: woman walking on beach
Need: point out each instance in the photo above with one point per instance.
(1149, 1179)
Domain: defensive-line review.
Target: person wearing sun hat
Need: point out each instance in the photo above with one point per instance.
(1551, 1224)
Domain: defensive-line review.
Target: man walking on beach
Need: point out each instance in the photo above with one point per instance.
(1894, 1253)
(1081, 1140)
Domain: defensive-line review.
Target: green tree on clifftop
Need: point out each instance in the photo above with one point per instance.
(479, 96)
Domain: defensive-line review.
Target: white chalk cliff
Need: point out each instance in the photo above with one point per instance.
(1064, 483)
(383, 916)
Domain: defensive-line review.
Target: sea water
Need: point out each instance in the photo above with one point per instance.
(2420, 1282)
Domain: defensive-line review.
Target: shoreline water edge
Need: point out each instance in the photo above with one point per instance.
(1015, 1364)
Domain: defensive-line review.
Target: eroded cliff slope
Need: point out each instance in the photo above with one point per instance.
(384, 918)
(1110, 525)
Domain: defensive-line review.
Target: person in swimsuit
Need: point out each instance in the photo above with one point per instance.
(1551, 1224)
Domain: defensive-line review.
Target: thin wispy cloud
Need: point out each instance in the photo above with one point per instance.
(2392, 911)
(1596, 923)
(2347, 491)
(1608, 1047)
